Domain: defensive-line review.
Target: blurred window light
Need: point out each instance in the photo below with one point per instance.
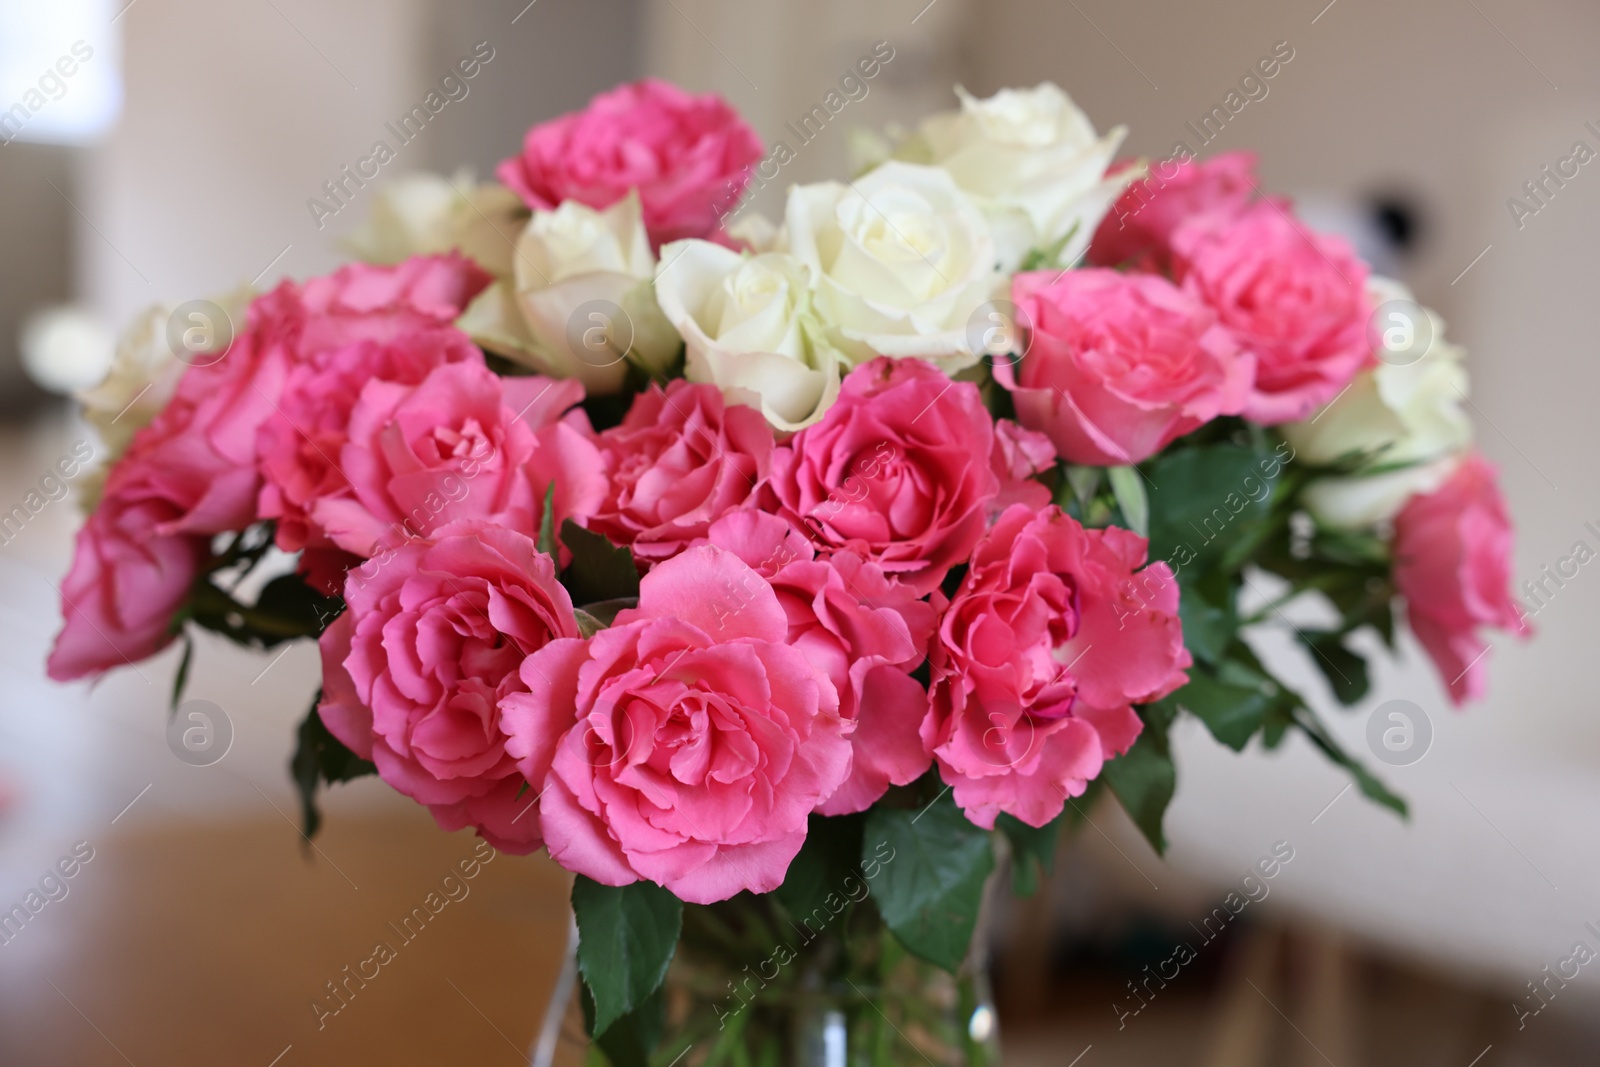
(60, 69)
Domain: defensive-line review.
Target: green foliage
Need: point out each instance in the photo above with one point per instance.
(626, 938)
(1144, 778)
(831, 854)
(929, 892)
(1033, 851)
(320, 757)
(599, 569)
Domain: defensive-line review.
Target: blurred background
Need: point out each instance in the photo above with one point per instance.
(176, 161)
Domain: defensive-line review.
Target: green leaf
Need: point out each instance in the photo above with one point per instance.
(930, 887)
(181, 680)
(626, 937)
(1233, 713)
(1207, 629)
(1033, 851)
(831, 854)
(320, 757)
(1127, 485)
(1345, 671)
(1083, 482)
(599, 570)
(293, 607)
(1369, 784)
(1144, 778)
(629, 1040)
(1205, 500)
(547, 523)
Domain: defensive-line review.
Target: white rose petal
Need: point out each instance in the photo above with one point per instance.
(901, 259)
(1033, 162)
(748, 328)
(1411, 413)
(428, 214)
(579, 301)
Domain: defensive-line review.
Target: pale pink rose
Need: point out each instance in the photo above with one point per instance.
(126, 582)
(336, 333)
(703, 740)
(1019, 455)
(867, 632)
(680, 460)
(1119, 365)
(897, 471)
(689, 157)
(1295, 300)
(1052, 638)
(463, 443)
(1138, 231)
(1452, 563)
(414, 670)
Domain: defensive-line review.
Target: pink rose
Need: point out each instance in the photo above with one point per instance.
(1119, 365)
(687, 156)
(703, 740)
(679, 461)
(1452, 563)
(126, 582)
(1040, 658)
(1294, 299)
(1138, 231)
(897, 471)
(1019, 455)
(414, 671)
(337, 333)
(867, 632)
(463, 443)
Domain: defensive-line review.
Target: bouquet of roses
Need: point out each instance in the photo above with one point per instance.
(732, 561)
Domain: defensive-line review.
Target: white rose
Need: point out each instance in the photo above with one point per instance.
(428, 214)
(900, 260)
(1034, 163)
(1404, 418)
(579, 302)
(145, 370)
(748, 329)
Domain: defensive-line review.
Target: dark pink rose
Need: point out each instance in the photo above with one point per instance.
(1294, 299)
(126, 582)
(463, 443)
(337, 333)
(1052, 638)
(703, 740)
(897, 471)
(1019, 455)
(1137, 233)
(1119, 365)
(680, 460)
(688, 156)
(414, 670)
(867, 632)
(1452, 563)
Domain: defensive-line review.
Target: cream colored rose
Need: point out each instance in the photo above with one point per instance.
(579, 302)
(428, 214)
(1404, 418)
(900, 261)
(748, 328)
(1034, 163)
(145, 370)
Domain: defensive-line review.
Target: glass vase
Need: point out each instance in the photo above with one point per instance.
(752, 986)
